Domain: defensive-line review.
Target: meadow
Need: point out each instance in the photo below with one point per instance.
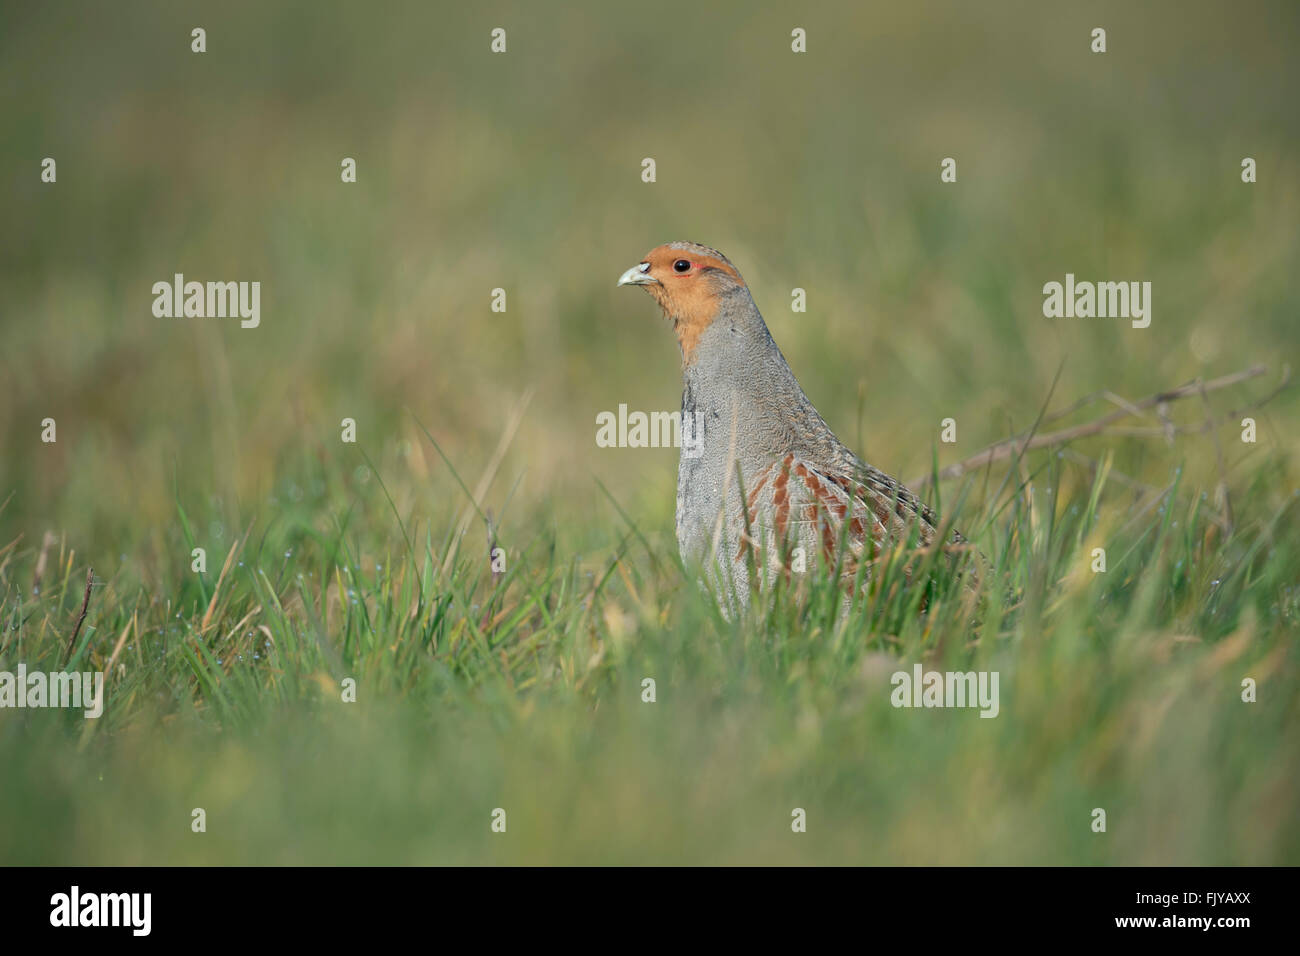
(521, 687)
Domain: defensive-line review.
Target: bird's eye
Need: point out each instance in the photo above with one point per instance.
(682, 265)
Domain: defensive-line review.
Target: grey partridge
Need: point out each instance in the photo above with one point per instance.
(761, 474)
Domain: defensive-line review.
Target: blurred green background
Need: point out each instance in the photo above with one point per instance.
(522, 171)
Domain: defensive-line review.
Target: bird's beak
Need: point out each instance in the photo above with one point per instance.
(637, 275)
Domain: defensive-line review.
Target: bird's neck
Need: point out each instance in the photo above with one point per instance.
(742, 391)
(738, 376)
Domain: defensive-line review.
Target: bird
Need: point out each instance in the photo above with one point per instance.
(762, 479)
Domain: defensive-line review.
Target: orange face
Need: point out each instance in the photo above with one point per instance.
(684, 279)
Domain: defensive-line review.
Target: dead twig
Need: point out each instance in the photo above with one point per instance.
(1019, 444)
(85, 604)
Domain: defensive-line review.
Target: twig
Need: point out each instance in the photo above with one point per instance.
(85, 604)
(1022, 443)
(1087, 400)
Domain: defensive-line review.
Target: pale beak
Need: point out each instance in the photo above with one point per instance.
(637, 275)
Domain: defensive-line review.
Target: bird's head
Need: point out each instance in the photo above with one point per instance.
(690, 282)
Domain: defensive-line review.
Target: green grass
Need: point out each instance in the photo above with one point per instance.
(523, 691)
(1119, 690)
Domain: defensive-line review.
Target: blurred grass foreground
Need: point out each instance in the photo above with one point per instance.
(347, 676)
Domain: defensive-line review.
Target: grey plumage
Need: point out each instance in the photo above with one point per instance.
(802, 487)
